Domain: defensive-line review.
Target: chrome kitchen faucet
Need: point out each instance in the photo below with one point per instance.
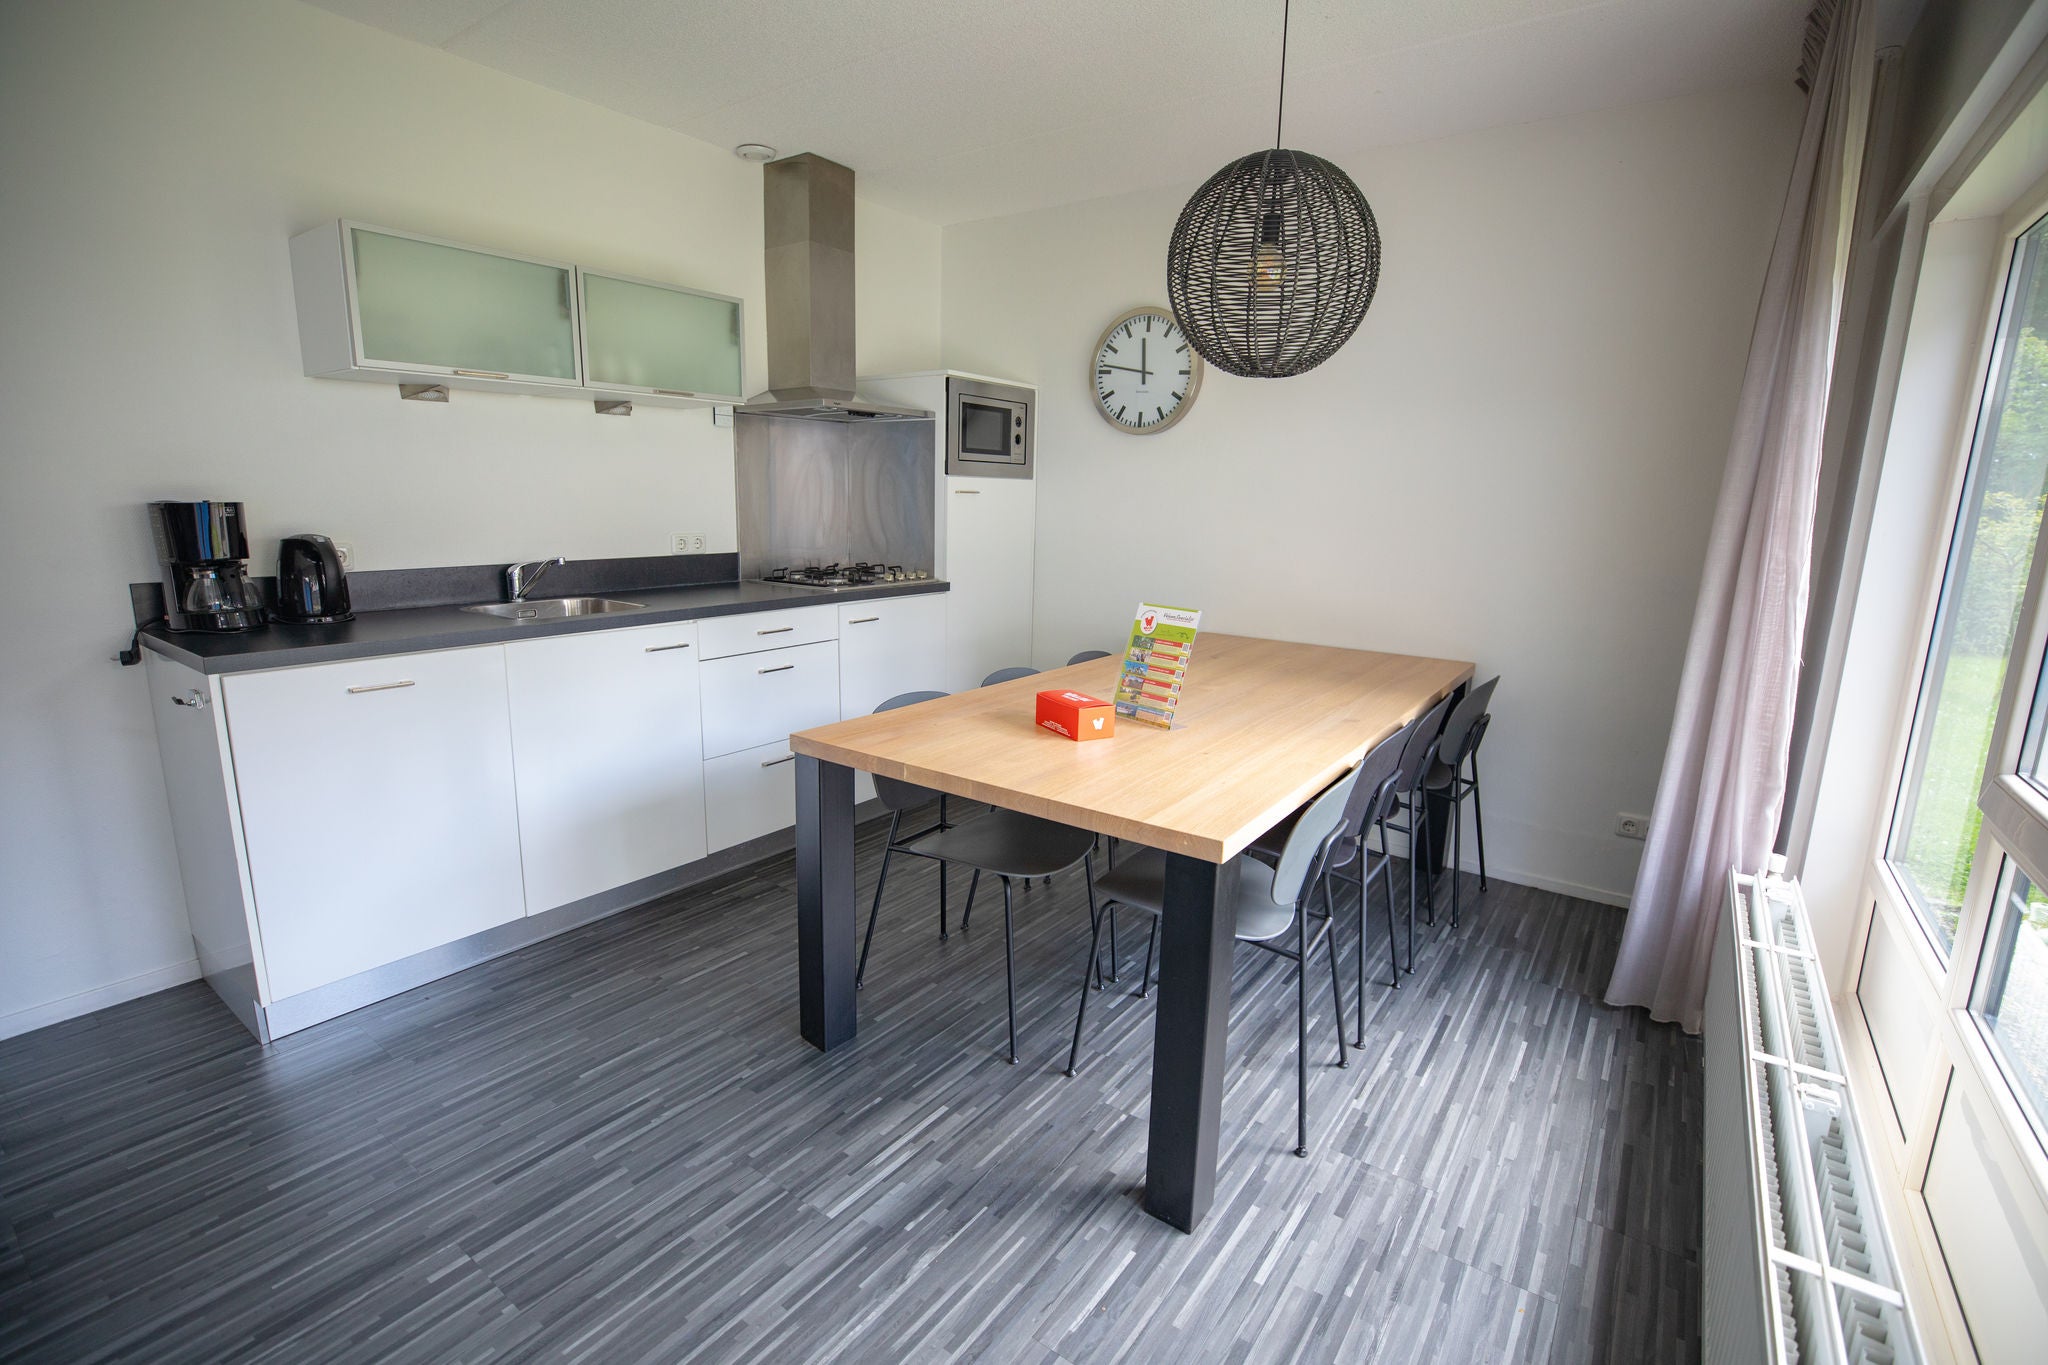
(518, 582)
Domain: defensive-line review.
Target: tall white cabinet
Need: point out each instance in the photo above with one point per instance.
(985, 541)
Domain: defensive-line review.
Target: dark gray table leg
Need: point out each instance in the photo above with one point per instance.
(1196, 947)
(826, 940)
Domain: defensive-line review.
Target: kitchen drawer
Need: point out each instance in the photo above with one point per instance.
(756, 699)
(748, 794)
(723, 635)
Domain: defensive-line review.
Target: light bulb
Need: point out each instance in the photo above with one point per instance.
(1269, 262)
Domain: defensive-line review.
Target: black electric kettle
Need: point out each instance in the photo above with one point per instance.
(310, 583)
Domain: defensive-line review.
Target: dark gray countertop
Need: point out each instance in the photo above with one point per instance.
(416, 629)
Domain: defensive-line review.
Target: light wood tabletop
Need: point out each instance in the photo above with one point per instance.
(1263, 726)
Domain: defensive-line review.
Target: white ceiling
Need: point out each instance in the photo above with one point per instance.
(959, 109)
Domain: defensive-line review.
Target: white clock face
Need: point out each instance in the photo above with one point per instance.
(1145, 373)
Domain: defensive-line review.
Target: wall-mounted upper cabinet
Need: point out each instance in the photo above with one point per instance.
(659, 340)
(397, 307)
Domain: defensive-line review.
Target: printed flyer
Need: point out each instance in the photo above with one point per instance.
(1156, 663)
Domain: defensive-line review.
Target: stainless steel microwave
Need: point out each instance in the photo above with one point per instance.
(988, 429)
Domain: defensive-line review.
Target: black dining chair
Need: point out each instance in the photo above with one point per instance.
(1270, 901)
(1409, 801)
(1003, 675)
(1455, 748)
(1003, 843)
(1087, 654)
(1371, 801)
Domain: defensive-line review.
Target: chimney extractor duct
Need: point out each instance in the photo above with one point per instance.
(808, 212)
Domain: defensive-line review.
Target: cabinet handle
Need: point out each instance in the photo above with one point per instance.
(380, 687)
(674, 393)
(483, 374)
(657, 649)
(862, 620)
(967, 492)
(779, 668)
(779, 630)
(194, 699)
(786, 758)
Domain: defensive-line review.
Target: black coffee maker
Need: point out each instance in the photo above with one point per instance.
(205, 552)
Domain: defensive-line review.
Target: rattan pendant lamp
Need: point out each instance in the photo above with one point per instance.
(1274, 261)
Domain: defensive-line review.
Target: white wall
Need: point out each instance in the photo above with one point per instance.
(155, 158)
(1514, 461)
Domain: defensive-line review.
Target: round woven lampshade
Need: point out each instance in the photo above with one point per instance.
(1273, 264)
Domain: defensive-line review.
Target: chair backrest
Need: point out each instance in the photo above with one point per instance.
(895, 793)
(1464, 729)
(1415, 753)
(1003, 675)
(1376, 776)
(1085, 655)
(1311, 838)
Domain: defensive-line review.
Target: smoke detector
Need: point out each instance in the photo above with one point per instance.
(754, 151)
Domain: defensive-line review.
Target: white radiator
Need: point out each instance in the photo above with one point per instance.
(1798, 1266)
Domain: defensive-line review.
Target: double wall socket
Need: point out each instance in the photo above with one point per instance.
(687, 543)
(1632, 826)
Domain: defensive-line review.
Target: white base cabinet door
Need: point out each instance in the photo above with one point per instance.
(887, 648)
(991, 526)
(377, 809)
(749, 794)
(607, 741)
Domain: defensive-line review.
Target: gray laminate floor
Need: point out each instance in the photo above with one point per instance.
(614, 1147)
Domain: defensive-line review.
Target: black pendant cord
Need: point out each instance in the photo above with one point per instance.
(1280, 114)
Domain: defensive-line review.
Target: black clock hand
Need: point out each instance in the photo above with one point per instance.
(1144, 374)
(1132, 368)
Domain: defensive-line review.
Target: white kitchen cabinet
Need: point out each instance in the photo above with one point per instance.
(753, 699)
(649, 339)
(888, 647)
(723, 635)
(749, 794)
(377, 808)
(378, 304)
(606, 742)
(990, 529)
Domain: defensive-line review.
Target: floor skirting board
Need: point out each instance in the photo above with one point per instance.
(50, 1012)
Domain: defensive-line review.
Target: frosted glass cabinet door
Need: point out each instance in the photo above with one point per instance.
(656, 338)
(435, 306)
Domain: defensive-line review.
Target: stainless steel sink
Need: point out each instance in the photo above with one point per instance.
(553, 608)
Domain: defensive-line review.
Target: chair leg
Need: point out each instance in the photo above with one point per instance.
(1095, 911)
(1457, 848)
(1418, 823)
(881, 879)
(1010, 970)
(1093, 969)
(1478, 822)
(968, 909)
(1151, 940)
(1112, 943)
(1336, 989)
(942, 902)
(1301, 1028)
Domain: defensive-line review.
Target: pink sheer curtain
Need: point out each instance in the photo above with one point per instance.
(1724, 769)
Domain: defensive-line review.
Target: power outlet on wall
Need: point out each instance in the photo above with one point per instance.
(347, 554)
(1632, 826)
(687, 543)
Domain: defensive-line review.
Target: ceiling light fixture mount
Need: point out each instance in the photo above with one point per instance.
(1274, 261)
(754, 151)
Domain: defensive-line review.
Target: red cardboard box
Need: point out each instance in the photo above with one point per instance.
(1076, 715)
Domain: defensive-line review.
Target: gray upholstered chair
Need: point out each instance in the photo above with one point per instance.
(1003, 843)
(1270, 901)
(1455, 748)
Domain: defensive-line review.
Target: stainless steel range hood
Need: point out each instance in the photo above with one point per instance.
(808, 204)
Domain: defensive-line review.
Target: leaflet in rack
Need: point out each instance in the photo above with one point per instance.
(1156, 664)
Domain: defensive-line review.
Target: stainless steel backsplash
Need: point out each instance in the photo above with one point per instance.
(816, 492)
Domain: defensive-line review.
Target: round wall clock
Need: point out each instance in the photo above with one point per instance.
(1146, 375)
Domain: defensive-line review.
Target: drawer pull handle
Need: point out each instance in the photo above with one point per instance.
(194, 699)
(779, 668)
(659, 649)
(862, 620)
(786, 758)
(380, 687)
(779, 630)
(483, 374)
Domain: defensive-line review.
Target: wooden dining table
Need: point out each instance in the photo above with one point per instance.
(1263, 725)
